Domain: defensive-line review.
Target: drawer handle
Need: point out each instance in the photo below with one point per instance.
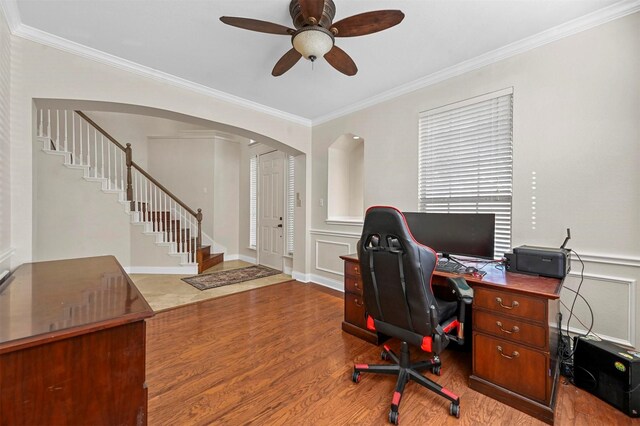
(514, 304)
(356, 302)
(514, 354)
(355, 269)
(514, 329)
(356, 285)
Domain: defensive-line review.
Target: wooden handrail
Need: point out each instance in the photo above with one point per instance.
(159, 185)
(130, 163)
(101, 130)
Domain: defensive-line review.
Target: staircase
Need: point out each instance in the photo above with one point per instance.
(85, 145)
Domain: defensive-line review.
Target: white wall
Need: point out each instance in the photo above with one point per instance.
(576, 125)
(5, 146)
(41, 72)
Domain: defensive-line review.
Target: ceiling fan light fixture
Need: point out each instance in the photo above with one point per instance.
(313, 42)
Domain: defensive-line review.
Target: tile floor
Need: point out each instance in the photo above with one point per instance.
(167, 291)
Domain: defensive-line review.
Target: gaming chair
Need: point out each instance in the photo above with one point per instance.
(396, 275)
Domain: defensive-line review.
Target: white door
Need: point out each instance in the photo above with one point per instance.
(271, 210)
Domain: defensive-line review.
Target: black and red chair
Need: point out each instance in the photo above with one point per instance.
(396, 275)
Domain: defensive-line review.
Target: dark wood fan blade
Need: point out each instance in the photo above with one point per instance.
(311, 9)
(368, 23)
(285, 63)
(338, 59)
(256, 25)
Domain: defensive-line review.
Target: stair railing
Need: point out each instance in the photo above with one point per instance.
(74, 133)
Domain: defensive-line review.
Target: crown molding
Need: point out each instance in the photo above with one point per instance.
(11, 14)
(42, 37)
(599, 17)
(602, 16)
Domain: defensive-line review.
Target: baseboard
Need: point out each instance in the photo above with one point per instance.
(162, 270)
(244, 258)
(327, 282)
(300, 276)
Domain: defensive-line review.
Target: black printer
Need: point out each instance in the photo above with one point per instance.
(543, 261)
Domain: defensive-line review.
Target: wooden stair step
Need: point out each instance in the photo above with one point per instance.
(209, 261)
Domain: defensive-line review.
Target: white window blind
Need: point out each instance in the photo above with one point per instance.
(466, 161)
(290, 203)
(253, 200)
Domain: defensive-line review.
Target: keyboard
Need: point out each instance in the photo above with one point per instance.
(448, 266)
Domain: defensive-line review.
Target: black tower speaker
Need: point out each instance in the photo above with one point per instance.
(610, 372)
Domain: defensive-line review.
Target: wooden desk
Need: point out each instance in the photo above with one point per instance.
(515, 334)
(72, 345)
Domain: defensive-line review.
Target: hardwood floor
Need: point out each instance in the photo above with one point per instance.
(277, 355)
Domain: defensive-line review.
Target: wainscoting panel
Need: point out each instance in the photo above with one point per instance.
(328, 256)
(610, 287)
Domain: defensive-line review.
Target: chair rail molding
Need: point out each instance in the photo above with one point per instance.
(329, 233)
(608, 259)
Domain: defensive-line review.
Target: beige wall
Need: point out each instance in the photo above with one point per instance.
(78, 219)
(5, 146)
(576, 125)
(136, 128)
(226, 197)
(42, 72)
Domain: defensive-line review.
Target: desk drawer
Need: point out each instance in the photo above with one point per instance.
(354, 310)
(510, 328)
(512, 366)
(353, 285)
(352, 269)
(508, 303)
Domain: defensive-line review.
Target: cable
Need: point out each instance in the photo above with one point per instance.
(578, 319)
(577, 291)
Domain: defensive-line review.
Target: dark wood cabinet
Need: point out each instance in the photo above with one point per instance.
(515, 322)
(354, 313)
(72, 345)
(515, 344)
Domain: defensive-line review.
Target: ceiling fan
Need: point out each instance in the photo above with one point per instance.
(315, 32)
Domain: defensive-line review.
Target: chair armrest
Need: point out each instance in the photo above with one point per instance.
(461, 289)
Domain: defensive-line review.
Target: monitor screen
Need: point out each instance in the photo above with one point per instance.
(464, 234)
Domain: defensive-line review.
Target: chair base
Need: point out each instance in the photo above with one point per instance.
(406, 372)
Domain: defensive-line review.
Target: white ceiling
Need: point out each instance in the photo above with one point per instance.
(184, 38)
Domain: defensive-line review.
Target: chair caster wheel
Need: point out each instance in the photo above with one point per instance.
(454, 410)
(393, 417)
(356, 376)
(437, 370)
(384, 355)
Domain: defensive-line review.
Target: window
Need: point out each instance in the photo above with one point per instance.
(466, 161)
(253, 200)
(290, 196)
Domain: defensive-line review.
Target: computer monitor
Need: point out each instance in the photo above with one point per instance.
(463, 234)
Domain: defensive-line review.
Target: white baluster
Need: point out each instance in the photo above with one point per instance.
(81, 141)
(109, 165)
(102, 155)
(57, 143)
(49, 124)
(73, 138)
(95, 152)
(65, 130)
(88, 148)
(122, 160)
(41, 118)
(170, 226)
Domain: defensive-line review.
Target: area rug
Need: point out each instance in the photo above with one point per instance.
(230, 276)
